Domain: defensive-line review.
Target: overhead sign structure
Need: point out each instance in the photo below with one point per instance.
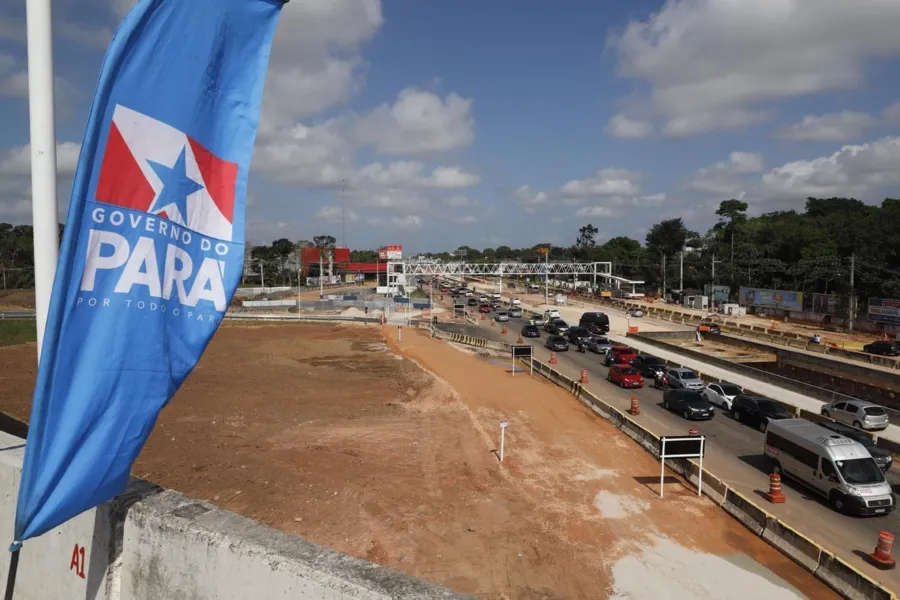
(522, 351)
(884, 310)
(681, 447)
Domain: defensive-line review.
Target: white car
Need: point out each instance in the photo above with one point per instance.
(516, 302)
(495, 296)
(468, 294)
(551, 314)
(483, 299)
(721, 394)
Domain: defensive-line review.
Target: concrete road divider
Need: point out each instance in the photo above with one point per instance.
(742, 509)
(797, 546)
(848, 581)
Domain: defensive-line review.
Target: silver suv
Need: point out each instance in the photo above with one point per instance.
(859, 413)
(684, 379)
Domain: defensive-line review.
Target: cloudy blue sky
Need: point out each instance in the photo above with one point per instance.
(450, 122)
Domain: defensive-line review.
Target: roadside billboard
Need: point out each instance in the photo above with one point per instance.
(780, 299)
(884, 310)
(717, 293)
(391, 253)
(312, 255)
(828, 304)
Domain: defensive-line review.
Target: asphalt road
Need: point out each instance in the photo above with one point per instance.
(734, 454)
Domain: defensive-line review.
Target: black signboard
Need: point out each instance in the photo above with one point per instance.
(523, 351)
(683, 447)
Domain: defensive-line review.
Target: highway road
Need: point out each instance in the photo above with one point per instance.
(734, 455)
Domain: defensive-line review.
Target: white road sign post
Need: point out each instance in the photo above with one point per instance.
(503, 425)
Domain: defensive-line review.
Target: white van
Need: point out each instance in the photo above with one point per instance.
(837, 468)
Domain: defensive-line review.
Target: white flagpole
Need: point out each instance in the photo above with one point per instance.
(45, 210)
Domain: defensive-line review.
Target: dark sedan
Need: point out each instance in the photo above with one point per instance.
(648, 366)
(691, 405)
(531, 331)
(557, 343)
(757, 411)
(576, 333)
(882, 348)
(881, 456)
(557, 327)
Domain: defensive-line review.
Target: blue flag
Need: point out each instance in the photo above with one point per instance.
(153, 245)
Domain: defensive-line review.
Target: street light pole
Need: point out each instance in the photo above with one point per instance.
(44, 206)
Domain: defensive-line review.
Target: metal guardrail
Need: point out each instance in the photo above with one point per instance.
(17, 314)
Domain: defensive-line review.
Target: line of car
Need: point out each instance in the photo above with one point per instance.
(833, 458)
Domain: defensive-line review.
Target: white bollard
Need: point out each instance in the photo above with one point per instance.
(503, 425)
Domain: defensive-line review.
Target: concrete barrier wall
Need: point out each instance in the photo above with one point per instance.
(839, 575)
(154, 544)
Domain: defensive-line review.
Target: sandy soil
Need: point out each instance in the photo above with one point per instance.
(322, 431)
(16, 299)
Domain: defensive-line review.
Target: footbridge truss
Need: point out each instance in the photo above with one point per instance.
(505, 269)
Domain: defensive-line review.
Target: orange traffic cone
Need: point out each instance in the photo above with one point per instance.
(504, 330)
(882, 555)
(693, 431)
(635, 406)
(584, 376)
(775, 495)
(553, 358)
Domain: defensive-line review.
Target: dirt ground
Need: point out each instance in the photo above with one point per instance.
(16, 299)
(323, 431)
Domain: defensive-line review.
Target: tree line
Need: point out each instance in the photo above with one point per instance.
(811, 250)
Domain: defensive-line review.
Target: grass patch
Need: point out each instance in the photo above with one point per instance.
(17, 331)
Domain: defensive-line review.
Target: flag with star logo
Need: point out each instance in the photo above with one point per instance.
(153, 245)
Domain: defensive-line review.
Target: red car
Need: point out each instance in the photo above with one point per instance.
(620, 355)
(485, 308)
(625, 376)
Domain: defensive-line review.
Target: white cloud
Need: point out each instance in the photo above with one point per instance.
(620, 126)
(17, 161)
(841, 126)
(335, 214)
(605, 182)
(408, 222)
(418, 122)
(402, 200)
(714, 65)
(727, 177)
(465, 220)
(315, 63)
(528, 198)
(854, 171)
(892, 113)
(458, 201)
(596, 211)
(411, 174)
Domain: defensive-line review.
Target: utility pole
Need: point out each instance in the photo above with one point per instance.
(664, 276)
(852, 292)
(681, 273)
(262, 276)
(732, 256)
(321, 276)
(547, 276)
(343, 214)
